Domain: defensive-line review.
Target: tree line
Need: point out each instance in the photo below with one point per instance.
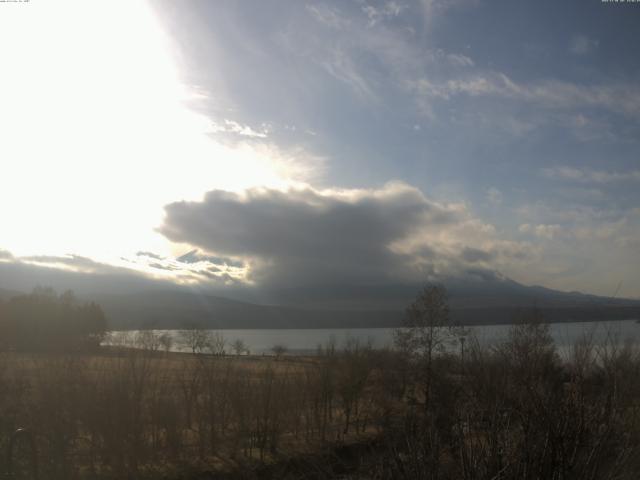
(43, 320)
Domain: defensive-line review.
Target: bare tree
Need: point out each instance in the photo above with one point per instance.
(147, 340)
(195, 339)
(238, 346)
(166, 341)
(215, 343)
(279, 350)
(427, 329)
(354, 371)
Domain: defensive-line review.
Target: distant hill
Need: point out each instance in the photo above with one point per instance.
(180, 309)
(481, 289)
(481, 297)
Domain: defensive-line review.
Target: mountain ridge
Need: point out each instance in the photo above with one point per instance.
(184, 309)
(483, 299)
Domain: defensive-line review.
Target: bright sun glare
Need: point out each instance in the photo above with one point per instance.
(95, 135)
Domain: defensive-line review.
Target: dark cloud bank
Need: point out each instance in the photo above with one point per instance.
(311, 238)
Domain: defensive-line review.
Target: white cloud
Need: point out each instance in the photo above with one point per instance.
(328, 16)
(342, 66)
(621, 98)
(541, 231)
(387, 10)
(345, 52)
(587, 175)
(585, 248)
(459, 60)
(432, 8)
(230, 126)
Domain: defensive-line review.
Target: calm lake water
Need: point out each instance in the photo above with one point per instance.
(306, 341)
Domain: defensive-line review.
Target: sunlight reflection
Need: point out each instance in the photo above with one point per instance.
(96, 138)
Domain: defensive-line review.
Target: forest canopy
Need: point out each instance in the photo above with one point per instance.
(44, 320)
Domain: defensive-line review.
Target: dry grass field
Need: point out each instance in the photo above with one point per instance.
(121, 412)
(512, 411)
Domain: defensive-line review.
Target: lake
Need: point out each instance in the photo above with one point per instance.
(306, 341)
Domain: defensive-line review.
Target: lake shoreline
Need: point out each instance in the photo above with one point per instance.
(305, 341)
(304, 327)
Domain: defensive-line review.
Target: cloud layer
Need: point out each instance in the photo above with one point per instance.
(308, 237)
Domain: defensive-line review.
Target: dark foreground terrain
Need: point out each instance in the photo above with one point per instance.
(515, 411)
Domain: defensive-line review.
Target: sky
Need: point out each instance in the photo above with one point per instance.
(297, 143)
